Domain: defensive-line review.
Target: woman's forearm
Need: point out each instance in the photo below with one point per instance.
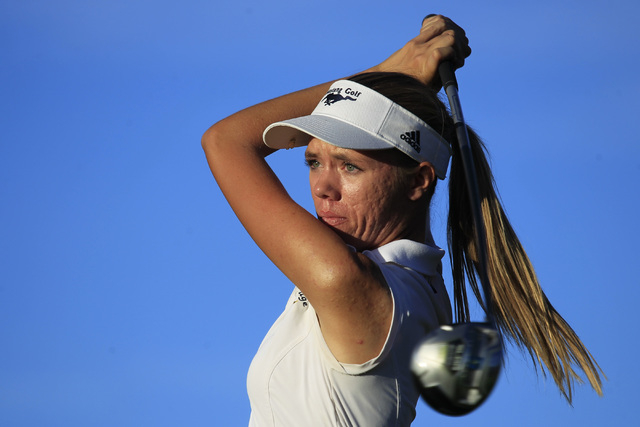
(243, 130)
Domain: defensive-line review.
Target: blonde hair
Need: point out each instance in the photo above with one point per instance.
(519, 306)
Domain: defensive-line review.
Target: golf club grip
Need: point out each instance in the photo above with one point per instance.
(447, 76)
(445, 69)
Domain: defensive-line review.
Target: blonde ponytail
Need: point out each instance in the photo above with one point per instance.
(521, 309)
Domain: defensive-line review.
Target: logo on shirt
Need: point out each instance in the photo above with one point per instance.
(302, 299)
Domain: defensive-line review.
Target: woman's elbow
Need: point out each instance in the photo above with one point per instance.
(214, 142)
(209, 138)
(233, 137)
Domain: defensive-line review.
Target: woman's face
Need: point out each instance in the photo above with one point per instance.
(358, 195)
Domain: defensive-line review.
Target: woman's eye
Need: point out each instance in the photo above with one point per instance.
(311, 163)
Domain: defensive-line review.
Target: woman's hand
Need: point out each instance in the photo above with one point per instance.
(440, 39)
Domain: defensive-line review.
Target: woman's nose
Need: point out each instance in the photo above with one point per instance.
(325, 185)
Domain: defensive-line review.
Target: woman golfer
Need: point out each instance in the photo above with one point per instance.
(367, 273)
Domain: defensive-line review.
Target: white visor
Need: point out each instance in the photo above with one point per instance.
(355, 117)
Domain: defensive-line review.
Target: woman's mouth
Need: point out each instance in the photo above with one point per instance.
(331, 219)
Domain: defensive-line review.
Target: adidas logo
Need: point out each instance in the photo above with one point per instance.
(412, 138)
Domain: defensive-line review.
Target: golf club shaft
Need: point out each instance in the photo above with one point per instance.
(450, 85)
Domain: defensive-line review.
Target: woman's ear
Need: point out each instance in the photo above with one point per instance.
(422, 178)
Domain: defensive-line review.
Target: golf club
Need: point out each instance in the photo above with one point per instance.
(457, 366)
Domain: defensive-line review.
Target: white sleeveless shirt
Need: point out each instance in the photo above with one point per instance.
(294, 380)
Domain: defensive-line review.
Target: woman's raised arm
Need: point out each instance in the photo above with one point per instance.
(309, 253)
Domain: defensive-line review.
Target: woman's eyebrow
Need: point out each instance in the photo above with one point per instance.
(339, 155)
(342, 156)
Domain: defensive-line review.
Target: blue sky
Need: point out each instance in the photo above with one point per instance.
(129, 293)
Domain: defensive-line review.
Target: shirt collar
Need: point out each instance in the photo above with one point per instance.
(420, 257)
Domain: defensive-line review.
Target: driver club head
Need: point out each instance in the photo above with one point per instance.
(457, 366)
